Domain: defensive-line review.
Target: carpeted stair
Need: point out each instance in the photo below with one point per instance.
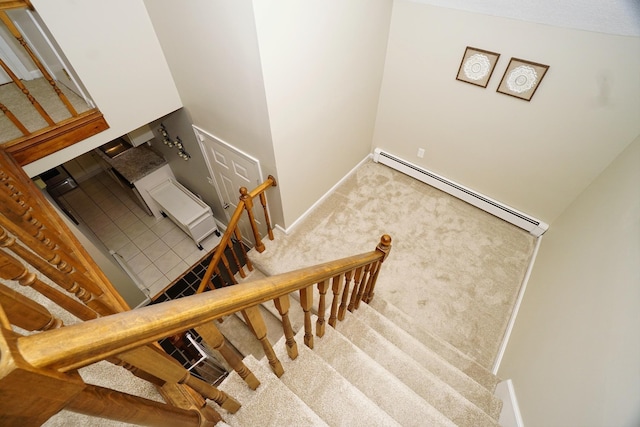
(374, 369)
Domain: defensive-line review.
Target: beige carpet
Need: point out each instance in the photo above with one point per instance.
(454, 268)
(13, 98)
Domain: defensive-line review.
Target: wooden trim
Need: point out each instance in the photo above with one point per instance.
(96, 401)
(81, 344)
(89, 268)
(49, 140)
(15, 4)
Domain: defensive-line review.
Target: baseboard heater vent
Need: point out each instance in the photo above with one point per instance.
(532, 225)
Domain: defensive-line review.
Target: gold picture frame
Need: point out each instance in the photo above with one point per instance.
(477, 66)
(522, 78)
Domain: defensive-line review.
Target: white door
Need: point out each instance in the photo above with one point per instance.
(230, 169)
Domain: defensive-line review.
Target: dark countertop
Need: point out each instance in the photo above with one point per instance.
(135, 163)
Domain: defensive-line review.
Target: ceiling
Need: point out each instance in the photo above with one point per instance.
(619, 17)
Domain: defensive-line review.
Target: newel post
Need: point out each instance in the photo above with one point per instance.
(385, 247)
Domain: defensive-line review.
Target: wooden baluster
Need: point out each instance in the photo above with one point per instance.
(236, 260)
(19, 207)
(184, 397)
(244, 251)
(227, 267)
(12, 269)
(159, 364)
(218, 274)
(263, 201)
(322, 308)
(248, 204)
(102, 402)
(15, 212)
(282, 305)
(356, 283)
(14, 31)
(256, 323)
(306, 301)
(336, 287)
(375, 267)
(33, 212)
(385, 247)
(362, 286)
(25, 91)
(54, 274)
(69, 255)
(14, 119)
(345, 295)
(26, 313)
(214, 339)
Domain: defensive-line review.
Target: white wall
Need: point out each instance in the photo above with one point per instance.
(322, 62)
(114, 50)
(535, 156)
(212, 49)
(574, 354)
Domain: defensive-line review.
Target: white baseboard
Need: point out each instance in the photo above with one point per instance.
(510, 415)
(321, 199)
(516, 308)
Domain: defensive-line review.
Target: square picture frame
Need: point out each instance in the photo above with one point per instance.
(477, 66)
(522, 78)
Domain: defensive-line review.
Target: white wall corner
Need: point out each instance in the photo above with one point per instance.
(516, 308)
(510, 415)
(321, 199)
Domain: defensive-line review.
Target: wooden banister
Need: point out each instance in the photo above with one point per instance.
(233, 230)
(81, 122)
(102, 402)
(15, 4)
(79, 345)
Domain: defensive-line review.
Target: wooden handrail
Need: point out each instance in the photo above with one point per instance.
(35, 144)
(81, 344)
(232, 230)
(15, 4)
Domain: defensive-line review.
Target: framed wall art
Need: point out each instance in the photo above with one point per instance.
(522, 78)
(477, 66)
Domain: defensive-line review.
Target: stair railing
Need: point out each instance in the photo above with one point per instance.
(126, 335)
(38, 371)
(233, 231)
(34, 144)
(39, 252)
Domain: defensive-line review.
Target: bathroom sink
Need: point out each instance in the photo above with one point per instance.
(115, 148)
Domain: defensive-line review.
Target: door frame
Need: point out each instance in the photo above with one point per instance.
(202, 134)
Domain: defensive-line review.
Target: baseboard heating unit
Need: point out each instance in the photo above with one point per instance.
(532, 225)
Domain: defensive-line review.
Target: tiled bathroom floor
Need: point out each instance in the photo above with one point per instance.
(157, 251)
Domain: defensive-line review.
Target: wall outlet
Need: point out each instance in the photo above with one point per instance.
(421, 152)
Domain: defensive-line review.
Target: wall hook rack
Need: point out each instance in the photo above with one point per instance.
(166, 139)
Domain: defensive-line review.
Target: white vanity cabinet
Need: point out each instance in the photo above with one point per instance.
(186, 210)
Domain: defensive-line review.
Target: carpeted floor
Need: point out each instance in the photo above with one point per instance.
(13, 98)
(454, 268)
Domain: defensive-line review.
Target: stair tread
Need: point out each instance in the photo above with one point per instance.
(257, 405)
(454, 384)
(238, 335)
(328, 393)
(386, 311)
(378, 384)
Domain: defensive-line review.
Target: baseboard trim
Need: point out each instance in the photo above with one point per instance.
(516, 308)
(510, 415)
(321, 199)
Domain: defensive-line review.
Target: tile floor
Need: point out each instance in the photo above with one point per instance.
(156, 250)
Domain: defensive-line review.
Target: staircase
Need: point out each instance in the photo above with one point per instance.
(377, 368)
